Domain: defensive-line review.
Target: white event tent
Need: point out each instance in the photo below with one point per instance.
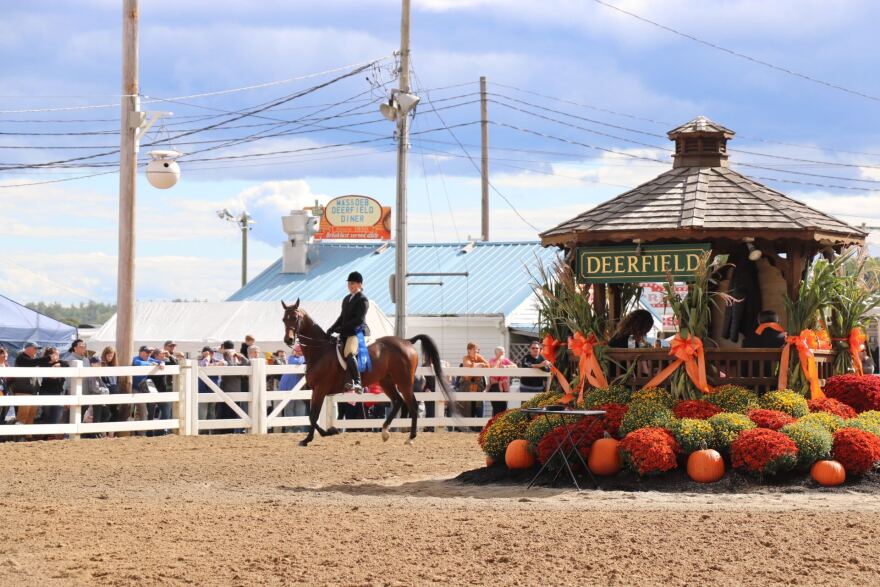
(193, 325)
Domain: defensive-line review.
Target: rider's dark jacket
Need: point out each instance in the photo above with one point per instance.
(353, 315)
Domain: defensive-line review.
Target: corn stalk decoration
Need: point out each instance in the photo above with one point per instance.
(564, 308)
(847, 311)
(693, 313)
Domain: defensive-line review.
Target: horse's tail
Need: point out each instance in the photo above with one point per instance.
(429, 347)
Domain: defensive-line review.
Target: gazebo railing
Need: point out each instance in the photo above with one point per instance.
(753, 368)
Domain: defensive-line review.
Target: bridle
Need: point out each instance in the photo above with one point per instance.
(296, 332)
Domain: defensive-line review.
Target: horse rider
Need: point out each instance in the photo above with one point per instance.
(351, 321)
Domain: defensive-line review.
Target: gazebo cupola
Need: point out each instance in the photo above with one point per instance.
(700, 143)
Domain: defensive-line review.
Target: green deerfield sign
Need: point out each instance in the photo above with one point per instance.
(629, 265)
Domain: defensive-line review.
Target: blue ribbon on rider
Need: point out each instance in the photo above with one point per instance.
(363, 355)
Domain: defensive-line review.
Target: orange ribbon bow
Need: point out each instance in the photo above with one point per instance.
(688, 352)
(805, 354)
(856, 339)
(550, 345)
(588, 365)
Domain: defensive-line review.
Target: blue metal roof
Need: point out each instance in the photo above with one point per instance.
(498, 277)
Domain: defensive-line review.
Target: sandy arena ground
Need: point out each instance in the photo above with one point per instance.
(350, 510)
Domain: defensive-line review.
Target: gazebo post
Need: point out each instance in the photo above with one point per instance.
(795, 269)
(599, 298)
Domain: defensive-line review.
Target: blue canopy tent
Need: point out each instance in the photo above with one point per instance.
(19, 325)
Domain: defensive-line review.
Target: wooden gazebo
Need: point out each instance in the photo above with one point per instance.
(702, 200)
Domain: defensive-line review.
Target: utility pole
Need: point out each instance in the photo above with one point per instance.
(484, 127)
(402, 147)
(129, 126)
(245, 226)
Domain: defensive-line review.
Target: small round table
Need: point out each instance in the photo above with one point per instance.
(565, 420)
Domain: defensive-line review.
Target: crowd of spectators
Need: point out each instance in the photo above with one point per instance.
(224, 355)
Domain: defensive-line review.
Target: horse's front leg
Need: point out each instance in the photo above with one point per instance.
(314, 413)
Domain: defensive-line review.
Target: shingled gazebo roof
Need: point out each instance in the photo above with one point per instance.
(701, 200)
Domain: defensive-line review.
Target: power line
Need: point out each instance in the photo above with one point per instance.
(738, 54)
(474, 163)
(359, 66)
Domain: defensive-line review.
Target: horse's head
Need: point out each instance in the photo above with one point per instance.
(292, 322)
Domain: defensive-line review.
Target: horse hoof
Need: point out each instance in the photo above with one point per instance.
(303, 443)
(332, 431)
(385, 435)
(410, 441)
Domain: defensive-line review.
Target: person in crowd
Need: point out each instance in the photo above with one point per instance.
(100, 413)
(352, 321)
(78, 352)
(533, 359)
(231, 384)
(499, 384)
(769, 338)
(160, 410)
(206, 359)
(635, 325)
(139, 382)
(116, 411)
(297, 407)
(52, 386)
(26, 385)
(5, 411)
(427, 384)
(249, 341)
(473, 383)
(273, 382)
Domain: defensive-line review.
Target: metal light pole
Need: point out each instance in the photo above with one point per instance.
(245, 222)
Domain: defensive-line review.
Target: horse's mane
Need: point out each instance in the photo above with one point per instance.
(315, 325)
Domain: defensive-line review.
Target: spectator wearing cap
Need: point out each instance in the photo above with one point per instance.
(143, 359)
(26, 385)
(296, 407)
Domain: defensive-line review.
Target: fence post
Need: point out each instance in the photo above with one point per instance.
(180, 409)
(75, 415)
(329, 412)
(193, 412)
(257, 383)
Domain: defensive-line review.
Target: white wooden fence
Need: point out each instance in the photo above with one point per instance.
(256, 410)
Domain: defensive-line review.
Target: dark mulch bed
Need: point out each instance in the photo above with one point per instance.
(675, 481)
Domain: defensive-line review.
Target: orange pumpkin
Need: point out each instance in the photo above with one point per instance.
(604, 457)
(705, 466)
(518, 455)
(828, 473)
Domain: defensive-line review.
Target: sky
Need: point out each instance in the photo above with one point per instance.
(580, 98)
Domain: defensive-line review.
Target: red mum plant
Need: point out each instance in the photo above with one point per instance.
(861, 392)
(772, 419)
(858, 451)
(583, 435)
(763, 451)
(614, 414)
(832, 406)
(695, 409)
(649, 451)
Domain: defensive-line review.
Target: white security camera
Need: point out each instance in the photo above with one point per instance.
(163, 171)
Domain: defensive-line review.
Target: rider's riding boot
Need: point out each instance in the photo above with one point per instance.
(355, 375)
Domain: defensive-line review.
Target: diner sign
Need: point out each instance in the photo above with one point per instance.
(629, 265)
(354, 217)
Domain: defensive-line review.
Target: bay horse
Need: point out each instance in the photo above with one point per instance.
(394, 363)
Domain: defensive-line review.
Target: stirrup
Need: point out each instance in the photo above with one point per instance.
(355, 387)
